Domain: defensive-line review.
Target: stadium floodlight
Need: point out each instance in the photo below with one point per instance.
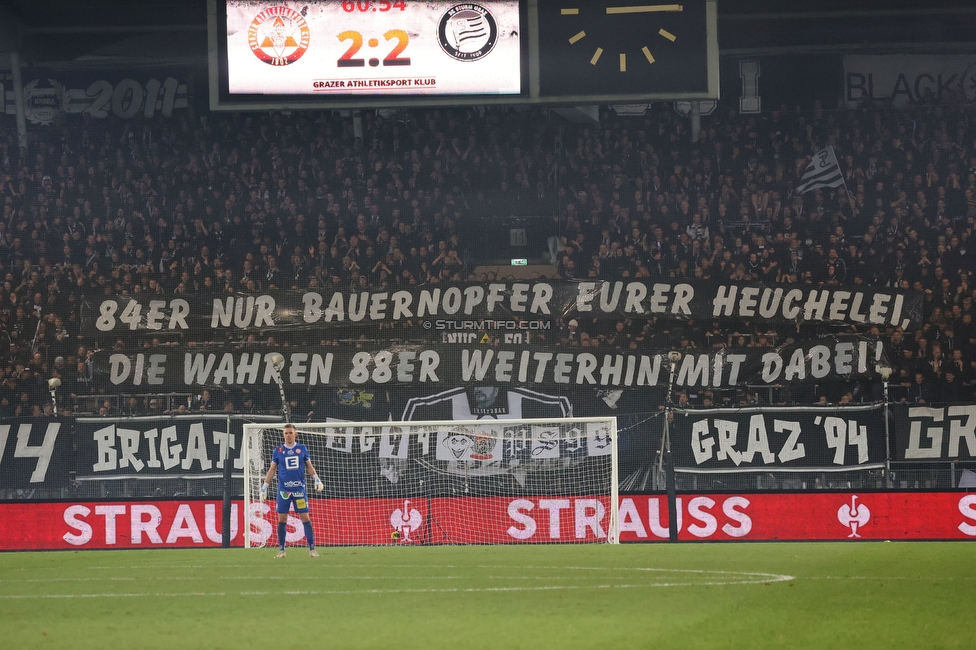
(277, 363)
(52, 385)
(674, 357)
(446, 482)
(885, 372)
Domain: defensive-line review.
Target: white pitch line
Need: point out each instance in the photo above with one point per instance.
(172, 566)
(213, 579)
(347, 592)
(863, 578)
(757, 574)
(326, 566)
(886, 578)
(252, 566)
(133, 595)
(71, 580)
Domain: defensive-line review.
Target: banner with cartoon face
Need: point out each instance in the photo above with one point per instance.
(468, 443)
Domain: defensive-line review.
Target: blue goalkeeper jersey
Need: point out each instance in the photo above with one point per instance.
(291, 467)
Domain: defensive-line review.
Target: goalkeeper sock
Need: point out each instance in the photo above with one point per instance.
(309, 535)
(281, 535)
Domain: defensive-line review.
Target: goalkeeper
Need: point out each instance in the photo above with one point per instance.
(290, 462)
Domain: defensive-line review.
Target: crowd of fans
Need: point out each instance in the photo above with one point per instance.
(248, 202)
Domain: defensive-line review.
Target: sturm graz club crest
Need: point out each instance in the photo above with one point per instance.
(43, 101)
(467, 32)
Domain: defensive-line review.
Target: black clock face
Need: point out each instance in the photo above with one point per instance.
(622, 48)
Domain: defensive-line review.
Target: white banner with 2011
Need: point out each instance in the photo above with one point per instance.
(46, 98)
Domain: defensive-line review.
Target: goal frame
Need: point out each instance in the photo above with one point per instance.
(613, 524)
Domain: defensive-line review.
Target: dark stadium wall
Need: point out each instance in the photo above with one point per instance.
(787, 79)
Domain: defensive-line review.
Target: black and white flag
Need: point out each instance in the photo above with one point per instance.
(823, 171)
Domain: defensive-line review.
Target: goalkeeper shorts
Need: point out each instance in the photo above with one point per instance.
(284, 501)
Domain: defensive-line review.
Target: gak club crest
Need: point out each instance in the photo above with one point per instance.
(278, 36)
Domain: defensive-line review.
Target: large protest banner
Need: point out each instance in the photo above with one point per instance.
(182, 367)
(461, 306)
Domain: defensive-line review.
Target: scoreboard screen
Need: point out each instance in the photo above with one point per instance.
(290, 54)
(373, 47)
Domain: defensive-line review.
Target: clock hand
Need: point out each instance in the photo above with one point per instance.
(643, 9)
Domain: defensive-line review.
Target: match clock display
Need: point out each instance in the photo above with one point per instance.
(374, 47)
(622, 48)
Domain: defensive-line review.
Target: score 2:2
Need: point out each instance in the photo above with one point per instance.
(393, 58)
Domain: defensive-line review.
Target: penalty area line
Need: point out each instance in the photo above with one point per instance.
(886, 578)
(348, 592)
(218, 578)
(133, 595)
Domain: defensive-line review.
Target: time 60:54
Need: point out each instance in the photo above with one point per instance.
(350, 6)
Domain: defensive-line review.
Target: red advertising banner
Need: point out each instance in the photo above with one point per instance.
(822, 516)
(468, 520)
(118, 524)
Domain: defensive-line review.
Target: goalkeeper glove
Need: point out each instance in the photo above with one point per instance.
(319, 486)
(264, 491)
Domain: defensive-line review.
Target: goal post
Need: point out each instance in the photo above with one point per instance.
(445, 482)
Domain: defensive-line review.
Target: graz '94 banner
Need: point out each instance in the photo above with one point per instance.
(436, 307)
(177, 368)
(778, 439)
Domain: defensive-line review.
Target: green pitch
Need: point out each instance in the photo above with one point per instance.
(841, 595)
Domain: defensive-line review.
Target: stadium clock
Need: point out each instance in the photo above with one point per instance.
(622, 47)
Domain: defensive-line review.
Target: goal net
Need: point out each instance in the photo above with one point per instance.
(469, 482)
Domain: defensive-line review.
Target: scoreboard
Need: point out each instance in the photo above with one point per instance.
(282, 54)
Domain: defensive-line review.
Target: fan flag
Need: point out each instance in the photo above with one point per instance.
(823, 171)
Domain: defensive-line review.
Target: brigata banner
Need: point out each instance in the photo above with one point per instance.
(155, 446)
(820, 516)
(437, 308)
(35, 453)
(778, 439)
(190, 367)
(923, 433)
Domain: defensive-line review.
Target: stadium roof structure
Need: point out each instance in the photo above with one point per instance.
(68, 33)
